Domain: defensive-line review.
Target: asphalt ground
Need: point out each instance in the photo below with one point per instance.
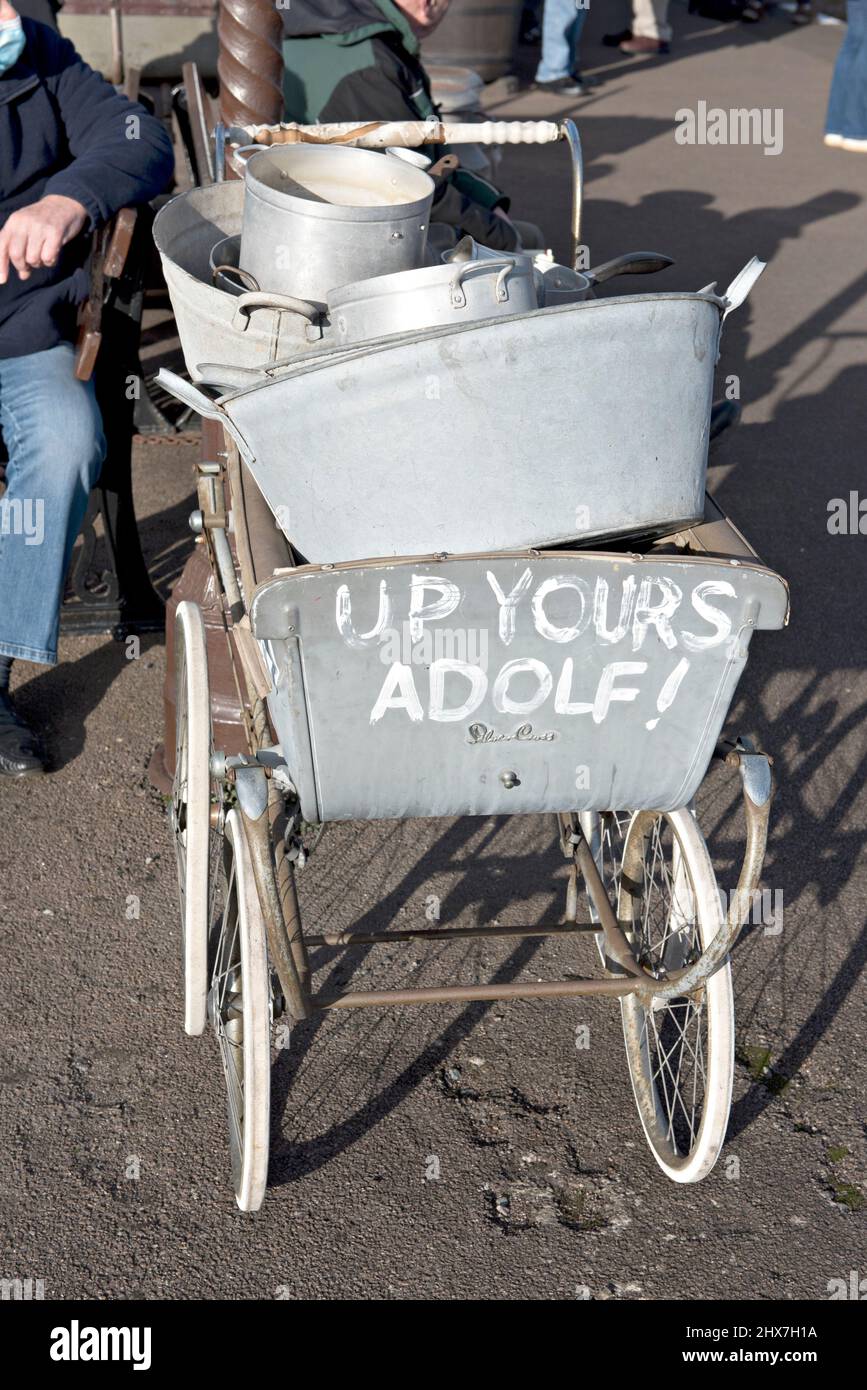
(474, 1152)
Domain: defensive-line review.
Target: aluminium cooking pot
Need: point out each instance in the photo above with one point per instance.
(319, 216)
(432, 297)
(560, 285)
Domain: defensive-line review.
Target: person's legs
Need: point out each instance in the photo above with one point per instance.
(650, 20)
(562, 23)
(53, 434)
(847, 101)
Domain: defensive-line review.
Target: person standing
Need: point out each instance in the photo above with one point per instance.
(846, 123)
(650, 34)
(562, 23)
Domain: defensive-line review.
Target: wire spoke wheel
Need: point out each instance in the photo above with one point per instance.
(190, 810)
(606, 835)
(680, 1051)
(240, 1014)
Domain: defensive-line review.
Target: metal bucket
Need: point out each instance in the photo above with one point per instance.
(319, 216)
(209, 324)
(481, 34)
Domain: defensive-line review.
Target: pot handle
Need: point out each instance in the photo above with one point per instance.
(230, 378)
(238, 157)
(633, 263)
(250, 283)
(742, 284)
(456, 287)
(188, 395)
(263, 300)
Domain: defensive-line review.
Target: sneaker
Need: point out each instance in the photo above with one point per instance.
(835, 141)
(563, 87)
(853, 146)
(643, 47)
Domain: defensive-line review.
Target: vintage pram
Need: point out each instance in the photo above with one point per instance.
(355, 623)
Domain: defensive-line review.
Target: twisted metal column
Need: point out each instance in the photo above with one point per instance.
(250, 63)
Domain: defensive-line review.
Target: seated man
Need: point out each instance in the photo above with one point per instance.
(72, 153)
(358, 60)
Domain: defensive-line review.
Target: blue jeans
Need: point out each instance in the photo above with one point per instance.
(52, 430)
(562, 23)
(847, 103)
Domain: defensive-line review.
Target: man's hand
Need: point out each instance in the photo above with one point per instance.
(33, 236)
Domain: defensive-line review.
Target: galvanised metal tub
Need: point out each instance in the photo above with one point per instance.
(214, 326)
(573, 422)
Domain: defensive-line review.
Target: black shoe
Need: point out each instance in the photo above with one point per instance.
(21, 754)
(615, 40)
(563, 87)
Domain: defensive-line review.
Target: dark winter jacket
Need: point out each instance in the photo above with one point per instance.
(358, 60)
(64, 129)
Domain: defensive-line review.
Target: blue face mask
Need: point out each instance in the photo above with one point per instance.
(12, 43)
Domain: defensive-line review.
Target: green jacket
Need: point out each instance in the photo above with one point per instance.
(358, 60)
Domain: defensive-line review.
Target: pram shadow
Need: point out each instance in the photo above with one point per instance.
(792, 860)
(488, 887)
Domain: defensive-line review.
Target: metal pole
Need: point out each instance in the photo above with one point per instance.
(570, 131)
(473, 994)
(117, 63)
(250, 63)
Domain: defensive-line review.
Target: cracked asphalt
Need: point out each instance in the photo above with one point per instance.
(477, 1152)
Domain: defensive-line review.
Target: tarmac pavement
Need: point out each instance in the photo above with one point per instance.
(474, 1152)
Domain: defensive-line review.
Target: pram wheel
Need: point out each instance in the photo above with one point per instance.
(191, 806)
(680, 1051)
(240, 1014)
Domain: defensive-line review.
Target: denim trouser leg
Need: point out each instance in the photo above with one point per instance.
(847, 103)
(562, 23)
(53, 435)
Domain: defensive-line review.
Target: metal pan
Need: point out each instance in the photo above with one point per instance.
(433, 297)
(560, 285)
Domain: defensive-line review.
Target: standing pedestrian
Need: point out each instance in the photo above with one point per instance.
(650, 34)
(846, 123)
(562, 23)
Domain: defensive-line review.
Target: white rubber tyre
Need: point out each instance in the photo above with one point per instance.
(680, 1054)
(191, 806)
(239, 1006)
